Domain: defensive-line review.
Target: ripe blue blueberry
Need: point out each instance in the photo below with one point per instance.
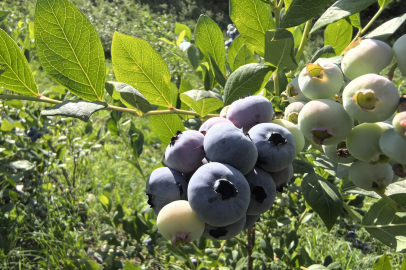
(227, 144)
(224, 232)
(31, 132)
(250, 221)
(211, 122)
(281, 178)
(185, 151)
(164, 186)
(250, 111)
(275, 144)
(219, 194)
(263, 191)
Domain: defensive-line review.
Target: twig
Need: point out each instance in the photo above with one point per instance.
(250, 247)
(397, 207)
(305, 38)
(353, 216)
(391, 72)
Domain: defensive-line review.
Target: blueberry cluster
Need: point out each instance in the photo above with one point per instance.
(349, 111)
(34, 134)
(149, 245)
(224, 176)
(365, 247)
(232, 32)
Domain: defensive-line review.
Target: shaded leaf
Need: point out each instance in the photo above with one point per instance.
(279, 49)
(165, 126)
(384, 31)
(69, 48)
(136, 63)
(244, 57)
(17, 76)
(301, 11)
(131, 97)
(382, 223)
(252, 19)
(192, 54)
(248, 79)
(3, 15)
(300, 166)
(235, 48)
(81, 110)
(266, 247)
(338, 35)
(217, 72)
(323, 197)
(324, 52)
(210, 39)
(340, 10)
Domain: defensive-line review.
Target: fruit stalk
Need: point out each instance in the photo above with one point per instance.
(305, 38)
(388, 200)
(109, 107)
(250, 248)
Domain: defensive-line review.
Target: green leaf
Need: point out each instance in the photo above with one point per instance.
(252, 19)
(340, 10)
(354, 20)
(266, 247)
(323, 197)
(210, 39)
(130, 266)
(165, 126)
(384, 3)
(137, 139)
(136, 63)
(301, 11)
(384, 31)
(235, 48)
(112, 126)
(181, 37)
(403, 265)
(382, 223)
(17, 76)
(69, 48)
(81, 110)
(130, 97)
(202, 102)
(338, 35)
(179, 28)
(383, 263)
(325, 52)
(7, 125)
(317, 267)
(13, 195)
(192, 54)
(168, 41)
(217, 72)
(279, 49)
(105, 201)
(15, 103)
(3, 15)
(248, 79)
(23, 165)
(7, 208)
(244, 57)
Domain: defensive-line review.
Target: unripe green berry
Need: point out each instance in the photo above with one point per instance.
(292, 111)
(399, 124)
(370, 98)
(322, 80)
(393, 146)
(365, 57)
(370, 176)
(399, 50)
(338, 153)
(294, 129)
(294, 92)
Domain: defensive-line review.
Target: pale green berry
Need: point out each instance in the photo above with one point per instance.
(399, 124)
(365, 57)
(294, 93)
(223, 112)
(370, 98)
(363, 142)
(322, 80)
(399, 50)
(393, 146)
(338, 153)
(292, 111)
(178, 223)
(325, 122)
(370, 176)
(294, 129)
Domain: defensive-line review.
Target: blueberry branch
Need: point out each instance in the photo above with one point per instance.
(305, 38)
(388, 200)
(361, 32)
(352, 214)
(109, 107)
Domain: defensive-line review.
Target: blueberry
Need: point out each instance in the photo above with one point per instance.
(338, 153)
(149, 245)
(185, 151)
(219, 194)
(352, 234)
(165, 185)
(399, 124)
(31, 132)
(370, 176)
(293, 110)
(393, 146)
(224, 232)
(194, 261)
(399, 50)
(227, 144)
(281, 178)
(250, 111)
(294, 92)
(250, 221)
(366, 248)
(275, 144)
(263, 191)
(211, 122)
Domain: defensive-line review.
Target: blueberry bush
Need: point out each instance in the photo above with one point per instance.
(233, 154)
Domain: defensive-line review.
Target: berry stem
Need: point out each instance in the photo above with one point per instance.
(391, 72)
(276, 82)
(305, 38)
(109, 107)
(299, 222)
(388, 200)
